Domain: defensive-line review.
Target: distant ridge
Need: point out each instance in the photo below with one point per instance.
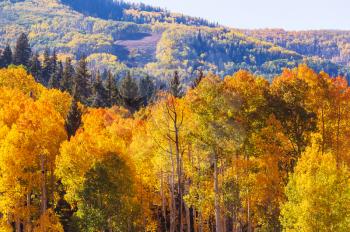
(132, 12)
(152, 41)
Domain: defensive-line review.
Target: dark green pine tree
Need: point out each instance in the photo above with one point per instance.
(46, 67)
(35, 68)
(53, 62)
(81, 81)
(175, 86)
(66, 83)
(56, 77)
(129, 93)
(147, 89)
(1, 61)
(104, 74)
(6, 57)
(111, 89)
(64, 210)
(22, 51)
(99, 93)
(73, 120)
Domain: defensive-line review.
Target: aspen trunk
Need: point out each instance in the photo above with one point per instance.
(28, 224)
(323, 130)
(163, 203)
(217, 195)
(200, 224)
(18, 225)
(188, 220)
(179, 173)
(52, 184)
(172, 210)
(249, 229)
(338, 135)
(172, 195)
(43, 185)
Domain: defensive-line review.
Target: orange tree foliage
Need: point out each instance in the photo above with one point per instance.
(228, 149)
(32, 129)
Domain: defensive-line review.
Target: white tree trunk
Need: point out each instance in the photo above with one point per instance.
(217, 195)
(43, 185)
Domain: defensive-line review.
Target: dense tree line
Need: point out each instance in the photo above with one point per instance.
(329, 44)
(92, 88)
(232, 154)
(223, 50)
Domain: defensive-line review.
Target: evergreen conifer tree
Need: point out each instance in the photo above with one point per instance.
(53, 62)
(73, 120)
(66, 83)
(46, 67)
(22, 52)
(35, 67)
(146, 89)
(129, 93)
(99, 92)
(7, 56)
(81, 81)
(111, 89)
(56, 77)
(175, 86)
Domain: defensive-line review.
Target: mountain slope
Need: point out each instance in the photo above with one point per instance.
(158, 46)
(129, 12)
(333, 45)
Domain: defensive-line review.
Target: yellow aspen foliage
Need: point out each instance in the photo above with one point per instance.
(216, 132)
(12, 103)
(91, 143)
(318, 194)
(60, 101)
(27, 157)
(96, 173)
(18, 78)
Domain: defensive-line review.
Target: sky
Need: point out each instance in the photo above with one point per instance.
(254, 14)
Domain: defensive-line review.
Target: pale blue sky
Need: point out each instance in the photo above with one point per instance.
(287, 14)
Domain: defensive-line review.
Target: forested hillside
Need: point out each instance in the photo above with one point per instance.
(152, 41)
(332, 44)
(138, 13)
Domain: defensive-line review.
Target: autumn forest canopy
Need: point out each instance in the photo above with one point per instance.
(118, 117)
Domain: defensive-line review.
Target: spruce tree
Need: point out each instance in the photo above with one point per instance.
(73, 120)
(66, 83)
(175, 86)
(46, 73)
(53, 62)
(56, 77)
(35, 68)
(64, 210)
(81, 81)
(6, 56)
(99, 93)
(1, 61)
(22, 51)
(129, 93)
(111, 89)
(146, 89)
